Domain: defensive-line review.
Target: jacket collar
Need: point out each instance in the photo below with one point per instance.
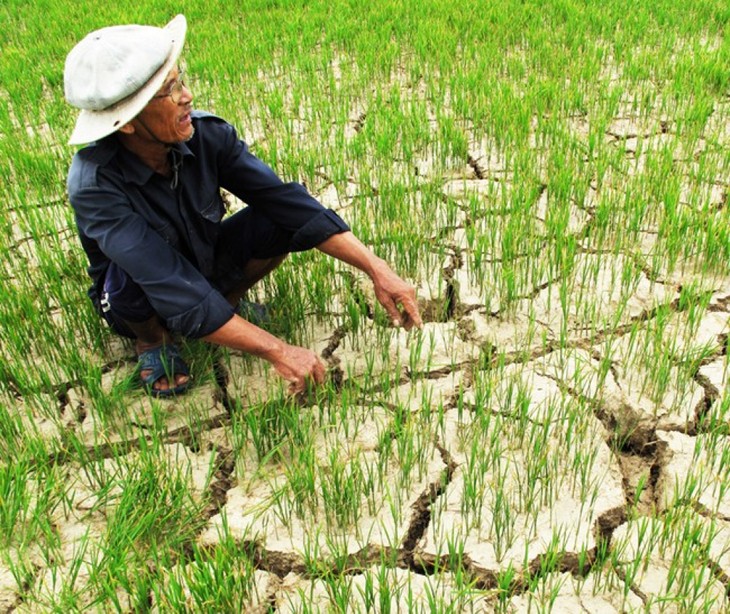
(133, 170)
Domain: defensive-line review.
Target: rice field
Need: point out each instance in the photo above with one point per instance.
(552, 177)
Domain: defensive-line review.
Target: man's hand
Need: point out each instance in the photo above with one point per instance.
(397, 297)
(298, 366)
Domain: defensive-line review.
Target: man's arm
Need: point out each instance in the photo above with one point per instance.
(298, 365)
(295, 364)
(179, 294)
(287, 204)
(395, 295)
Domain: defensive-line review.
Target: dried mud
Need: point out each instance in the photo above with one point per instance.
(646, 452)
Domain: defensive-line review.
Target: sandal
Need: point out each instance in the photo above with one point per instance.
(162, 361)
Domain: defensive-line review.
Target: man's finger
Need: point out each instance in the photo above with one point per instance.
(411, 314)
(319, 372)
(392, 310)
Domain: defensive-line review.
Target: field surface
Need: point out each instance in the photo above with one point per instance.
(553, 177)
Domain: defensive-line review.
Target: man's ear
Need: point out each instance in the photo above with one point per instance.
(127, 128)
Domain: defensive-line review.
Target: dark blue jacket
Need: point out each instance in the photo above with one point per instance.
(164, 235)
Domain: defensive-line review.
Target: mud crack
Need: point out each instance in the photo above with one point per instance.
(25, 586)
(334, 342)
(711, 394)
(282, 564)
(640, 475)
(444, 308)
(337, 376)
(97, 452)
(221, 376)
(702, 510)
(476, 167)
(422, 513)
(225, 464)
(719, 575)
(721, 304)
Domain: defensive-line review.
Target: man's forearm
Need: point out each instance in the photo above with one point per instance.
(396, 296)
(240, 334)
(295, 364)
(346, 247)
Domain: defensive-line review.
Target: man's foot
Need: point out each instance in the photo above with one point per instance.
(158, 366)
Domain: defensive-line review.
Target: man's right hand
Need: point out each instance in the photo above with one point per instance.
(298, 366)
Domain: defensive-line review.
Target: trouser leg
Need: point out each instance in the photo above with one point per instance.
(128, 311)
(249, 247)
(148, 334)
(125, 307)
(254, 271)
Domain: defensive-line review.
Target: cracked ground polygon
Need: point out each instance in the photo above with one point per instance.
(601, 591)
(534, 476)
(664, 561)
(382, 589)
(350, 485)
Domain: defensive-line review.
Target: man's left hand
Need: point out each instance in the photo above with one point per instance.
(395, 295)
(398, 298)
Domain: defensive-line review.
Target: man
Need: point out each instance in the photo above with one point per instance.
(149, 212)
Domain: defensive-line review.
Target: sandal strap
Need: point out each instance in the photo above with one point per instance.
(162, 361)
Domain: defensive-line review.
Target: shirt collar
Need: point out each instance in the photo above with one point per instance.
(133, 169)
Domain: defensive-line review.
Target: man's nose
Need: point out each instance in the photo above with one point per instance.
(186, 96)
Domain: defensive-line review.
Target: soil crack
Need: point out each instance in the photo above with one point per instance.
(334, 342)
(721, 305)
(25, 587)
(282, 564)
(422, 512)
(711, 394)
(444, 308)
(336, 374)
(359, 123)
(221, 376)
(478, 171)
(225, 464)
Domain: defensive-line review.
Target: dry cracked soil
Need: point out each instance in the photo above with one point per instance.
(517, 446)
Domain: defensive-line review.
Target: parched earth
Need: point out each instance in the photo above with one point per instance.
(551, 450)
(609, 461)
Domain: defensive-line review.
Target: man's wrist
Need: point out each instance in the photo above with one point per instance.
(240, 334)
(378, 267)
(272, 351)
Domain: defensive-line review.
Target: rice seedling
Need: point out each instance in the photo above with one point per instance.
(675, 551)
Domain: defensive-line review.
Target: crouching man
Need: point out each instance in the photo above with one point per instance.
(146, 195)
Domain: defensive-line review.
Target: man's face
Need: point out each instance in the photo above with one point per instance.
(167, 120)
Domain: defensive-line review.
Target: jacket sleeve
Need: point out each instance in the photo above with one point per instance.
(288, 205)
(177, 291)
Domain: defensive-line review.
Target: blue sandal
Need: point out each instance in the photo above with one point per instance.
(163, 361)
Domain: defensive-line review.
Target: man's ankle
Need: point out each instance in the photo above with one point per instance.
(143, 346)
(149, 334)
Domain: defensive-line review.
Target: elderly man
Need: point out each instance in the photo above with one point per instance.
(146, 194)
